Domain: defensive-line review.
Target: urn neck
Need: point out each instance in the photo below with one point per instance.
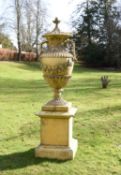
(57, 93)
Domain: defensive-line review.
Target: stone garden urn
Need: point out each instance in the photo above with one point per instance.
(57, 60)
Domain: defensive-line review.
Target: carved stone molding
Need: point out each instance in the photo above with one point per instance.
(57, 69)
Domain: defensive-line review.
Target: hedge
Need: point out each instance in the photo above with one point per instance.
(11, 55)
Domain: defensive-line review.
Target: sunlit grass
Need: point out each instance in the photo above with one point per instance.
(97, 125)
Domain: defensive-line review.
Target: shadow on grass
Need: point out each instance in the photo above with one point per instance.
(20, 136)
(107, 111)
(80, 69)
(22, 159)
(19, 83)
(32, 66)
(36, 66)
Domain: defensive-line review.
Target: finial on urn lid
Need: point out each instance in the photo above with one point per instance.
(57, 32)
(56, 29)
(56, 21)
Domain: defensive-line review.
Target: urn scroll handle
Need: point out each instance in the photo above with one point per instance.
(71, 46)
(42, 44)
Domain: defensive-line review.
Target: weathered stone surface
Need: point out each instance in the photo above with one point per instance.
(57, 152)
(56, 135)
(57, 61)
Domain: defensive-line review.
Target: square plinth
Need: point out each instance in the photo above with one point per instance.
(56, 135)
(56, 131)
(57, 152)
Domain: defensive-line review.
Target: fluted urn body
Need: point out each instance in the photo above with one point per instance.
(57, 60)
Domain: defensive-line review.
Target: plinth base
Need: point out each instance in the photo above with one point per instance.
(57, 152)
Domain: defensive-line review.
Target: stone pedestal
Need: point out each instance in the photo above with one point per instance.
(56, 135)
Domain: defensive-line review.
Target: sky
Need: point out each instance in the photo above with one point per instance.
(63, 10)
(56, 8)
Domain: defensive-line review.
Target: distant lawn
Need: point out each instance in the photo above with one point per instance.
(97, 125)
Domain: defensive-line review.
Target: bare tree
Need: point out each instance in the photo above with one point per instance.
(2, 25)
(34, 15)
(18, 13)
(28, 29)
(40, 14)
(27, 19)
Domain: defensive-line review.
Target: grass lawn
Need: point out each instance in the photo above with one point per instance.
(97, 125)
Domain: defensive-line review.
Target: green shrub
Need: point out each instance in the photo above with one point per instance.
(93, 55)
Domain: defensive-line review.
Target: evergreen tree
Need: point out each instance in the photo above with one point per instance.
(96, 27)
(108, 20)
(86, 25)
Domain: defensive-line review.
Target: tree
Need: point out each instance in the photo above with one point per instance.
(18, 14)
(87, 20)
(28, 26)
(97, 24)
(5, 41)
(33, 25)
(26, 21)
(39, 14)
(87, 30)
(2, 26)
(108, 20)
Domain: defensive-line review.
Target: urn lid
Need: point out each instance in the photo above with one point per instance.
(56, 31)
(58, 44)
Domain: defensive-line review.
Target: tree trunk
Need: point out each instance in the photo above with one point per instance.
(37, 52)
(18, 20)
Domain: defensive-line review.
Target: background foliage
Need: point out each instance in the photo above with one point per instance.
(98, 33)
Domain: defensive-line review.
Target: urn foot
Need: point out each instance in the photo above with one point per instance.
(57, 105)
